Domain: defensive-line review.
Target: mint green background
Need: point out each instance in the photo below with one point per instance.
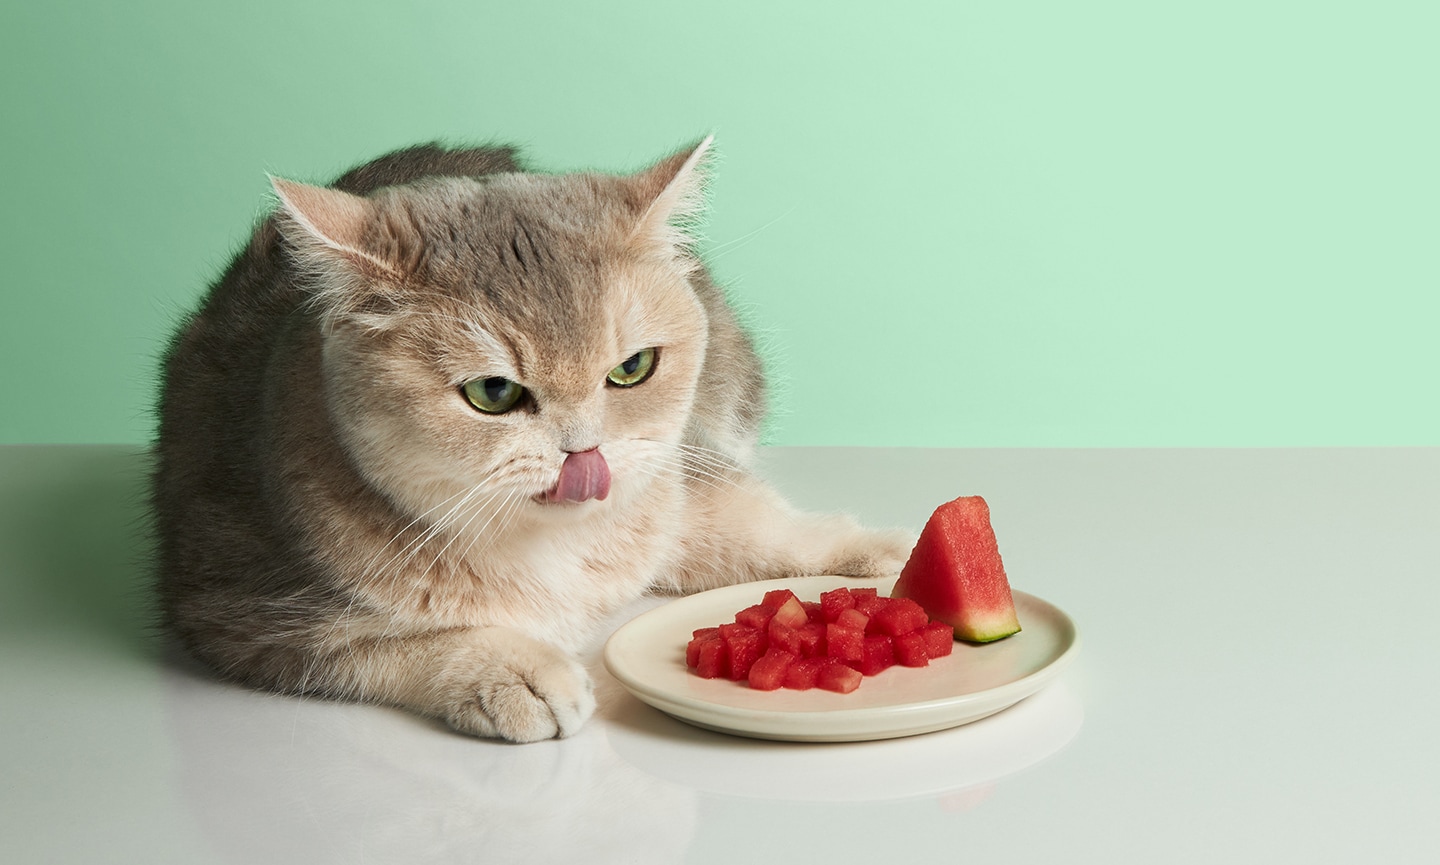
(953, 223)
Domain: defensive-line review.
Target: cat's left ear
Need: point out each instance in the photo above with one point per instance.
(330, 223)
(670, 195)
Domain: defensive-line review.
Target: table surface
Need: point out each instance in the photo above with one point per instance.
(1258, 681)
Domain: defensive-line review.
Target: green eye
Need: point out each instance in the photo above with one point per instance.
(494, 395)
(635, 369)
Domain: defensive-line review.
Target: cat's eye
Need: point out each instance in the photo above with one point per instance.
(634, 370)
(494, 395)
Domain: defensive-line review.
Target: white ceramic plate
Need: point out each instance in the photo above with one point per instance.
(647, 657)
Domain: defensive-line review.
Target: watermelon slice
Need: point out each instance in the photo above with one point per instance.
(955, 573)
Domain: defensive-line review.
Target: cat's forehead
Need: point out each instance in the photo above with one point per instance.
(568, 208)
(514, 238)
(535, 276)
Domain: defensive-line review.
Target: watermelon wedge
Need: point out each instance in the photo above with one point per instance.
(955, 573)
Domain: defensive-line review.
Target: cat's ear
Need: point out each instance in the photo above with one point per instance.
(329, 223)
(669, 195)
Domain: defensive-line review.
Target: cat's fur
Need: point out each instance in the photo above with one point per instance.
(334, 517)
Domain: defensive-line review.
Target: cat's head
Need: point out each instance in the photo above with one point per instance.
(524, 340)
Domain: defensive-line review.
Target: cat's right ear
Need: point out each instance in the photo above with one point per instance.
(328, 224)
(669, 197)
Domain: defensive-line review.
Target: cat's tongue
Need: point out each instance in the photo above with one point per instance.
(583, 476)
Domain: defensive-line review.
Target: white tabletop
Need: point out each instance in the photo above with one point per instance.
(1258, 681)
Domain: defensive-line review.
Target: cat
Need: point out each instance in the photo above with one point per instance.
(439, 419)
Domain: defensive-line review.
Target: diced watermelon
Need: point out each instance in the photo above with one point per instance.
(812, 639)
(692, 649)
(834, 602)
(768, 672)
(844, 644)
(785, 638)
(775, 599)
(910, 649)
(898, 616)
(956, 574)
(712, 661)
(853, 619)
(939, 639)
(791, 613)
(835, 676)
(744, 646)
(832, 643)
(878, 654)
(756, 617)
(801, 675)
(869, 604)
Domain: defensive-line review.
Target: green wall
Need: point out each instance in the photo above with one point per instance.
(953, 223)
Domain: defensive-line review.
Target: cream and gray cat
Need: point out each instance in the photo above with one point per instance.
(438, 420)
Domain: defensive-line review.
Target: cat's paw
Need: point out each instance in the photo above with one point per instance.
(522, 690)
(872, 554)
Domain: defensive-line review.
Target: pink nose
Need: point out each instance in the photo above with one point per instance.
(583, 476)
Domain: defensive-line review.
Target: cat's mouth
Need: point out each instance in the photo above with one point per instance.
(583, 476)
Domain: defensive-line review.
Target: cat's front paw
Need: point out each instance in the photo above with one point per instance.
(522, 690)
(873, 554)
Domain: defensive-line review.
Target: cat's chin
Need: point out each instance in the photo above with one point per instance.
(558, 511)
(550, 501)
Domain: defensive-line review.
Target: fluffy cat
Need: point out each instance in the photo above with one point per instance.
(439, 419)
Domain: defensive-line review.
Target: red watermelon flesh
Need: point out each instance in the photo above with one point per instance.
(955, 573)
(784, 642)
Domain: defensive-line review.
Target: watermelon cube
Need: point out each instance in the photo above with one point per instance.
(692, 649)
(775, 599)
(910, 650)
(898, 616)
(868, 602)
(785, 638)
(844, 644)
(835, 676)
(768, 672)
(853, 619)
(833, 603)
(956, 575)
(712, 661)
(743, 645)
(877, 655)
(756, 617)
(812, 639)
(813, 612)
(939, 639)
(802, 674)
(791, 613)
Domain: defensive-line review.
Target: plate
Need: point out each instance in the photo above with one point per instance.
(647, 657)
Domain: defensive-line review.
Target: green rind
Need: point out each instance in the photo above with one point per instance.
(988, 637)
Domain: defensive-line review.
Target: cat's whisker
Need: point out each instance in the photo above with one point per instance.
(419, 584)
(461, 531)
(720, 250)
(413, 548)
(713, 484)
(506, 517)
(365, 569)
(434, 530)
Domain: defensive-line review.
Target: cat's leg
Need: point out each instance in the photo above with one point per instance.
(742, 529)
(489, 682)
